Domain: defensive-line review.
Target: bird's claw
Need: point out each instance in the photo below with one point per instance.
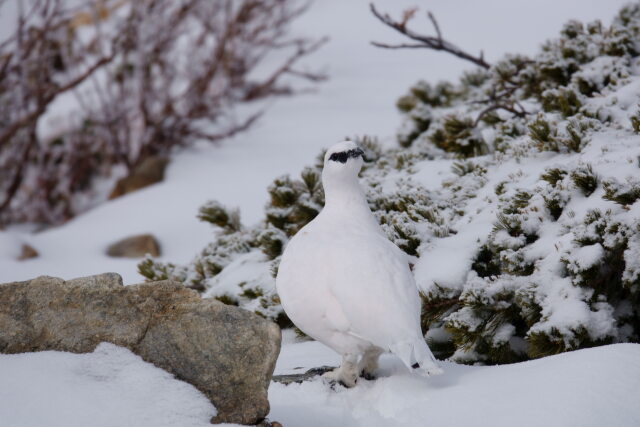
(369, 376)
(335, 377)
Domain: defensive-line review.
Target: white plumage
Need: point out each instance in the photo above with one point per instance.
(342, 282)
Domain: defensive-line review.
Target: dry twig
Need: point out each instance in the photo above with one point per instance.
(146, 78)
(437, 43)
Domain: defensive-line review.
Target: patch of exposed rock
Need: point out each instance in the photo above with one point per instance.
(27, 252)
(227, 353)
(287, 379)
(135, 247)
(150, 171)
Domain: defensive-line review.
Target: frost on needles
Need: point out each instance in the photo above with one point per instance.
(515, 191)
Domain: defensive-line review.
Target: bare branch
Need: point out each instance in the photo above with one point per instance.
(14, 185)
(235, 129)
(29, 118)
(501, 97)
(261, 89)
(153, 76)
(435, 25)
(518, 112)
(400, 46)
(437, 43)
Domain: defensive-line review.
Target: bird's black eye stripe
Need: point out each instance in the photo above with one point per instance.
(343, 156)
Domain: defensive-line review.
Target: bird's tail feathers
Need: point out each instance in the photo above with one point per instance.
(417, 356)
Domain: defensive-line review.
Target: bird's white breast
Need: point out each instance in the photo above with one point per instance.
(345, 275)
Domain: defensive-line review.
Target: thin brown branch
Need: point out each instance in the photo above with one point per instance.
(400, 46)
(153, 94)
(500, 101)
(12, 190)
(246, 124)
(435, 25)
(497, 106)
(268, 84)
(437, 43)
(26, 120)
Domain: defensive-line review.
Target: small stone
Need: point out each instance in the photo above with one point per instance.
(135, 247)
(267, 423)
(287, 379)
(150, 171)
(27, 252)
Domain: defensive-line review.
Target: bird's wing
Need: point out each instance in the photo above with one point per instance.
(371, 281)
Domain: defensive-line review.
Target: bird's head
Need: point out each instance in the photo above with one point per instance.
(343, 159)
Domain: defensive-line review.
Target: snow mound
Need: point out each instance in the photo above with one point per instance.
(591, 387)
(109, 387)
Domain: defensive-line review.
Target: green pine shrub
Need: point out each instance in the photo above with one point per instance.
(216, 214)
(543, 134)
(585, 179)
(564, 101)
(622, 193)
(458, 135)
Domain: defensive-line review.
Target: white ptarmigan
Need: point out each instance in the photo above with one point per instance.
(342, 282)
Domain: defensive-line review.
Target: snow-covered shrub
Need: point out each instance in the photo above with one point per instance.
(514, 193)
(418, 105)
(550, 276)
(293, 203)
(622, 193)
(458, 135)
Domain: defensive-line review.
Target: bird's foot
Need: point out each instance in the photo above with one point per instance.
(369, 363)
(367, 375)
(429, 371)
(337, 376)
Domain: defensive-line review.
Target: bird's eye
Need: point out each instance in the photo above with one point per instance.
(341, 157)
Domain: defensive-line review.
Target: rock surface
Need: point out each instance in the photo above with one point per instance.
(287, 379)
(227, 353)
(135, 247)
(150, 171)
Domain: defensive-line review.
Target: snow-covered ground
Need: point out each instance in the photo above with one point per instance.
(109, 387)
(358, 99)
(593, 387)
(113, 387)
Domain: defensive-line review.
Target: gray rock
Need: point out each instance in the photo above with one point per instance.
(135, 247)
(267, 423)
(227, 353)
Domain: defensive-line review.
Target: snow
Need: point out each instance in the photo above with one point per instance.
(448, 260)
(592, 387)
(109, 387)
(585, 257)
(112, 386)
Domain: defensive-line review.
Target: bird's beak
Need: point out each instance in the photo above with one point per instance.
(357, 152)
